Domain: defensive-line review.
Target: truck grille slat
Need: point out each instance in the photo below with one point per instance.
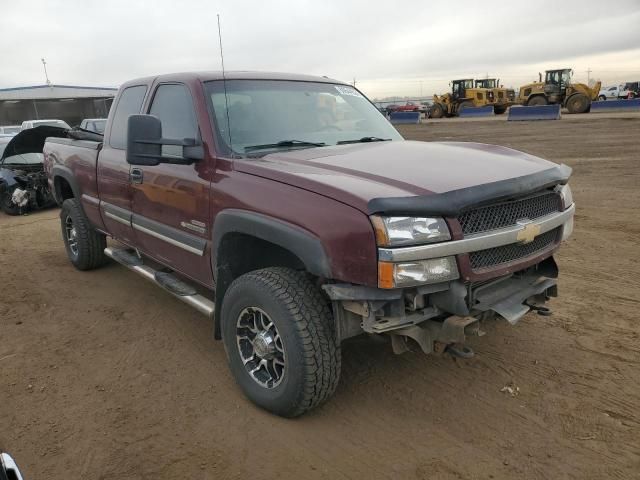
(493, 257)
(506, 214)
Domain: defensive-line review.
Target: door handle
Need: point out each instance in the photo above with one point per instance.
(136, 175)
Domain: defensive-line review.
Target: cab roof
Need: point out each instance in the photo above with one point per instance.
(231, 75)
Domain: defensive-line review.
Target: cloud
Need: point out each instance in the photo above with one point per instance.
(386, 46)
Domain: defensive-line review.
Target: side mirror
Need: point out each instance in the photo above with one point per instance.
(144, 143)
(8, 468)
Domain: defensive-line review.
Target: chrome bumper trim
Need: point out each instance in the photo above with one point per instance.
(473, 243)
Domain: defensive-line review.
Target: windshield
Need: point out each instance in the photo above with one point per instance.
(22, 159)
(51, 123)
(10, 129)
(294, 114)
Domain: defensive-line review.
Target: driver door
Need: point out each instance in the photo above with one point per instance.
(171, 201)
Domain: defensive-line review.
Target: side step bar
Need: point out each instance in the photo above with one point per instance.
(167, 281)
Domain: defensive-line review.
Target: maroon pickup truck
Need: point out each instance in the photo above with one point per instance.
(288, 210)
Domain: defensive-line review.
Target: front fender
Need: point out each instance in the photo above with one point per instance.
(303, 244)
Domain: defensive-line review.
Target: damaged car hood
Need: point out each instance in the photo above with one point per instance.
(408, 177)
(31, 140)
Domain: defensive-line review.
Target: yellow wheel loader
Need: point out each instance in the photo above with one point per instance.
(503, 97)
(558, 88)
(463, 95)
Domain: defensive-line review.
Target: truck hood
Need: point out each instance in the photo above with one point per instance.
(408, 176)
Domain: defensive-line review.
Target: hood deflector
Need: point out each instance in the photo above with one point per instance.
(454, 202)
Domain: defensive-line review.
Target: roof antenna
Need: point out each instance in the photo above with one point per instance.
(224, 83)
(44, 64)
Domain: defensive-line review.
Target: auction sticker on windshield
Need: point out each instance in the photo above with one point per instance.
(344, 90)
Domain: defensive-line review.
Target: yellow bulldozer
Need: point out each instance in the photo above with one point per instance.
(558, 88)
(503, 98)
(463, 95)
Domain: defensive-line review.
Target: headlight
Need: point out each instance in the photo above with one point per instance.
(401, 231)
(567, 196)
(409, 274)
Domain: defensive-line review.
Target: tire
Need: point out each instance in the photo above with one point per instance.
(578, 103)
(537, 100)
(499, 109)
(86, 251)
(6, 204)
(436, 111)
(309, 356)
(602, 98)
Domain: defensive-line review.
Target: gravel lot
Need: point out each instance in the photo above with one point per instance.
(103, 375)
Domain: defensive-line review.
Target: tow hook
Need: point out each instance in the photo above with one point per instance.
(460, 351)
(544, 311)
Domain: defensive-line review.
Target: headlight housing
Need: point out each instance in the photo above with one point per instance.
(403, 231)
(419, 272)
(567, 196)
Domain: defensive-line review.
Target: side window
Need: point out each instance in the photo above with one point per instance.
(172, 104)
(130, 103)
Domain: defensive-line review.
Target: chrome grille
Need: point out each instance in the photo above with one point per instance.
(501, 215)
(494, 257)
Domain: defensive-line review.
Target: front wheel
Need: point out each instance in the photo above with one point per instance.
(85, 246)
(280, 341)
(6, 203)
(436, 111)
(602, 98)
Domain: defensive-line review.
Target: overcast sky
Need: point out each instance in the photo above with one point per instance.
(390, 48)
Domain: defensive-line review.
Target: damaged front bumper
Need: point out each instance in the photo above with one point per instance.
(435, 316)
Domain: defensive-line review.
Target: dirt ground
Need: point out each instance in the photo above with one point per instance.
(103, 375)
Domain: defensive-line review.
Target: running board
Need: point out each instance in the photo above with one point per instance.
(167, 281)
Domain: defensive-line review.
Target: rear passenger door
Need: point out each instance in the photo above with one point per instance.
(114, 185)
(171, 201)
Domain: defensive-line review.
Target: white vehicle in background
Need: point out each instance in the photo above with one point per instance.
(610, 93)
(630, 90)
(94, 124)
(38, 123)
(9, 129)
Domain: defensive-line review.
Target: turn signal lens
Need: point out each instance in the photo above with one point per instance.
(410, 274)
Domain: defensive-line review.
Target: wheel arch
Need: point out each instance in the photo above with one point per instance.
(65, 184)
(244, 241)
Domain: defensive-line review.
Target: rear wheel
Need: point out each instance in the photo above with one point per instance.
(6, 203)
(85, 246)
(602, 98)
(537, 100)
(499, 109)
(278, 333)
(578, 103)
(436, 111)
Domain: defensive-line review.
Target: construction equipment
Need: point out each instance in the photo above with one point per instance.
(503, 97)
(558, 88)
(463, 95)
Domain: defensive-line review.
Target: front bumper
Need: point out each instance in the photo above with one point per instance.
(363, 309)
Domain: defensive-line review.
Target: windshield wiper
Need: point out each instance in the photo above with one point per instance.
(284, 143)
(364, 140)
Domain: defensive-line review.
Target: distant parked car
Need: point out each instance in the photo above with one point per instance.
(50, 123)
(94, 124)
(630, 90)
(9, 129)
(610, 93)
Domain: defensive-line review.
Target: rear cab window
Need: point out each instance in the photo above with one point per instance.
(130, 103)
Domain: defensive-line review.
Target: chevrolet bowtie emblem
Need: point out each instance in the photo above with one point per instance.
(529, 231)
